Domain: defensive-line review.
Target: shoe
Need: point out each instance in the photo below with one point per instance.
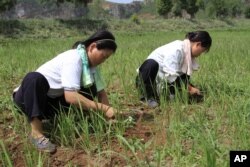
(171, 97)
(152, 103)
(43, 144)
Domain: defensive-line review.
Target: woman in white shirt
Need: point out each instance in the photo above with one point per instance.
(70, 78)
(170, 66)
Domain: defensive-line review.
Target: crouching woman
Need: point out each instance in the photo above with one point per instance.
(70, 78)
(171, 64)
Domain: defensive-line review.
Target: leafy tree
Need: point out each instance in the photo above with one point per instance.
(191, 7)
(217, 8)
(235, 7)
(164, 7)
(247, 12)
(6, 4)
(201, 4)
(177, 7)
(212, 8)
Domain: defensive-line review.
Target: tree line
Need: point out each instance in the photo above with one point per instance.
(173, 8)
(210, 8)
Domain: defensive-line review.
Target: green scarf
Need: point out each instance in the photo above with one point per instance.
(89, 79)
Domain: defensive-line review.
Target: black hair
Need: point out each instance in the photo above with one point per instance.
(200, 36)
(103, 39)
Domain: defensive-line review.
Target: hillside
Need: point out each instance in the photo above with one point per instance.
(26, 9)
(54, 28)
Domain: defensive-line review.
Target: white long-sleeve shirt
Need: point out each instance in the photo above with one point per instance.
(170, 58)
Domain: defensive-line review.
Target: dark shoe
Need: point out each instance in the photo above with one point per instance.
(43, 144)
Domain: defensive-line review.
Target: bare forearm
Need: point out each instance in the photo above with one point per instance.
(77, 99)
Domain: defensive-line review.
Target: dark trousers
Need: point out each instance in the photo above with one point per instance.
(33, 101)
(145, 80)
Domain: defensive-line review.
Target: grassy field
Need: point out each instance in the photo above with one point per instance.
(176, 134)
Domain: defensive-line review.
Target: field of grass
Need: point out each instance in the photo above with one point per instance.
(177, 134)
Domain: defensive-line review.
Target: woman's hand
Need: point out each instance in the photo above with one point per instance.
(110, 113)
(75, 98)
(192, 90)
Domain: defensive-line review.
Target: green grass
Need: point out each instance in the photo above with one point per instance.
(58, 28)
(184, 135)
